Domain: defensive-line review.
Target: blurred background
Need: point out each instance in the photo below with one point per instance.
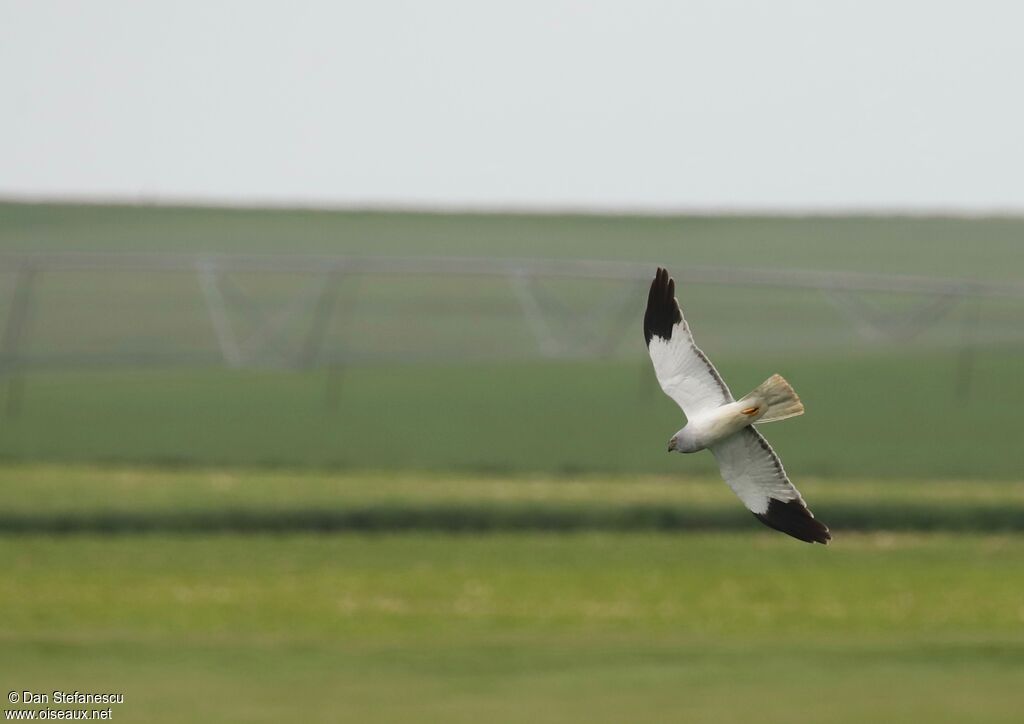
(322, 375)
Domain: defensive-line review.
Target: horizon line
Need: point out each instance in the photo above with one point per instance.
(415, 206)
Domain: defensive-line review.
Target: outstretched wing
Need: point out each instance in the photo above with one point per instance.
(755, 473)
(683, 371)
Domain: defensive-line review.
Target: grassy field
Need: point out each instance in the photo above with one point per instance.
(61, 499)
(598, 627)
(223, 600)
(540, 627)
(983, 248)
(441, 524)
(444, 373)
(895, 417)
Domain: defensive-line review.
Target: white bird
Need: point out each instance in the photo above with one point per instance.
(717, 422)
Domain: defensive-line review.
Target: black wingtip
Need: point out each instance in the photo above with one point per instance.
(793, 518)
(662, 308)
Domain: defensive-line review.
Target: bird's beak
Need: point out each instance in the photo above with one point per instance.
(671, 444)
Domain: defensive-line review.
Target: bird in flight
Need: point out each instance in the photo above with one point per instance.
(717, 422)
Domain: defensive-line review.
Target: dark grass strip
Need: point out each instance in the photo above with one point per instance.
(482, 519)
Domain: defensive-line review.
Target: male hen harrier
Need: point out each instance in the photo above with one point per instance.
(717, 422)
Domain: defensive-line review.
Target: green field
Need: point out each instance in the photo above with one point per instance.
(85, 499)
(441, 521)
(895, 417)
(981, 247)
(426, 373)
(598, 624)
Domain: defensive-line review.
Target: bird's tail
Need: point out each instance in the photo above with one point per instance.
(773, 400)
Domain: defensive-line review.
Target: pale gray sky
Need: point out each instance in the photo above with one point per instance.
(638, 104)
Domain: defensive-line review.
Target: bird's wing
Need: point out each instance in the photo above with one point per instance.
(755, 474)
(683, 371)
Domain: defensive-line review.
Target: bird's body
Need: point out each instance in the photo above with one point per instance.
(773, 400)
(719, 423)
(703, 431)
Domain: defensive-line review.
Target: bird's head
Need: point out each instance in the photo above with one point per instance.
(682, 443)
